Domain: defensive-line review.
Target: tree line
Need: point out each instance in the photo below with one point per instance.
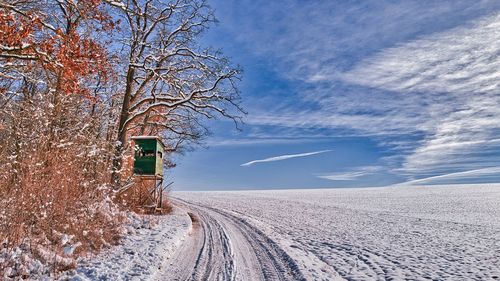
(77, 79)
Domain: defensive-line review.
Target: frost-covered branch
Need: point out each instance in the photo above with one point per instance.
(169, 74)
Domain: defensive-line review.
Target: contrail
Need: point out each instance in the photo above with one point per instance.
(283, 157)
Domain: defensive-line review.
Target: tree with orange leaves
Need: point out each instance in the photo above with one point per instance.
(61, 39)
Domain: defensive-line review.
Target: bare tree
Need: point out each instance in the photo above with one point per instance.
(171, 83)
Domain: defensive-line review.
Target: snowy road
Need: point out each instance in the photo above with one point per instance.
(224, 247)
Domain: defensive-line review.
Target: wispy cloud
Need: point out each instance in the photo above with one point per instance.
(343, 176)
(457, 61)
(419, 76)
(351, 175)
(453, 177)
(252, 141)
(339, 41)
(442, 88)
(283, 157)
(332, 32)
(458, 71)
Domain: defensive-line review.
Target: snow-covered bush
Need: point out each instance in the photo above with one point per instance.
(55, 197)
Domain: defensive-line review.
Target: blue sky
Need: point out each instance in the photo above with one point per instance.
(355, 93)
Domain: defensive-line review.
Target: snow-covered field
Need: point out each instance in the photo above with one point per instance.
(393, 233)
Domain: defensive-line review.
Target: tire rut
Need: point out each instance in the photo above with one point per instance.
(232, 249)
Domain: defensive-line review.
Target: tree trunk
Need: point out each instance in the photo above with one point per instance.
(122, 130)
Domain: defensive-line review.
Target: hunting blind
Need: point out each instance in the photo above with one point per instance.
(148, 156)
(148, 169)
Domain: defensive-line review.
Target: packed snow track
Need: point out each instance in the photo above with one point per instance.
(224, 247)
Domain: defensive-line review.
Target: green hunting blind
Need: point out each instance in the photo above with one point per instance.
(148, 170)
(148, 156)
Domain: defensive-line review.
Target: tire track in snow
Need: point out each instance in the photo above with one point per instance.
(214, 260)
(225, 247)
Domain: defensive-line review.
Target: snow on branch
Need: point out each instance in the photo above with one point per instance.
(169, 73)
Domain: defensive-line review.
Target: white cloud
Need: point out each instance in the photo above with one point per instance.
(283, 157)
(379, 68)
(313, 40)
(343, 176)
(261, 141)
(459, 70)
(462, 60)
(472, 174)
(351, 175)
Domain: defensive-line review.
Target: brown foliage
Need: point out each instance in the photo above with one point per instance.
(52, 177)
(64, 57)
